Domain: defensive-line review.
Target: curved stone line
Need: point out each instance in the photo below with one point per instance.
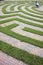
(23, 8)
(31, 17)
(37, 9)
(8, 8)
(15, 8)
(34, 10)
(1, 13)
(30, 12)
(33, 13)
(4, 9)
(41, 16)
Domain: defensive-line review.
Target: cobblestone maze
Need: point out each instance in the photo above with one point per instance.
(21, 33)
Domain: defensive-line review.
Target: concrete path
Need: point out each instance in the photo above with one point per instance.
(19, 30)
(23, 8)
(22, 45)
(8, 8)
(30, 26)
(17, 43)
(8, 60)
(30, 8)
(1, 13)
(40, 8)
(29, 20)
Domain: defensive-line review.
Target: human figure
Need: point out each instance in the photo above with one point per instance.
(36, 4)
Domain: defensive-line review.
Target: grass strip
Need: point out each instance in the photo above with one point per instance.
(29, 23)
(37, 10)
(20, 20)
(20, 37)
(29, 14)
(5, 11)
(10, 15)
(41, 16)
(20, 54)
(7, 20)
(12, 7)
(33, 31)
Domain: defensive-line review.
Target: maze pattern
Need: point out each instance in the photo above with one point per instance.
(21, 25)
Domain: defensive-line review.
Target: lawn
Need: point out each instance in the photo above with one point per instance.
(28, 17)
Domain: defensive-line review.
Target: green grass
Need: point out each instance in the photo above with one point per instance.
(11, 26)
(7, 20)
(41, 16)
(33, 31)
(20, 20)
(20, 54)
(16, 52)
(20, 37)
(5, 11)
(35, 12)
(10, 15)
(29, 23)
(12, 7)
(29, 14)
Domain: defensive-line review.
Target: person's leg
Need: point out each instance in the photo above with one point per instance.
(37, 6)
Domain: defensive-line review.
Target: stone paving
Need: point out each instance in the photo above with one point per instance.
(40, 8)
(8, 60)
(22, 45)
